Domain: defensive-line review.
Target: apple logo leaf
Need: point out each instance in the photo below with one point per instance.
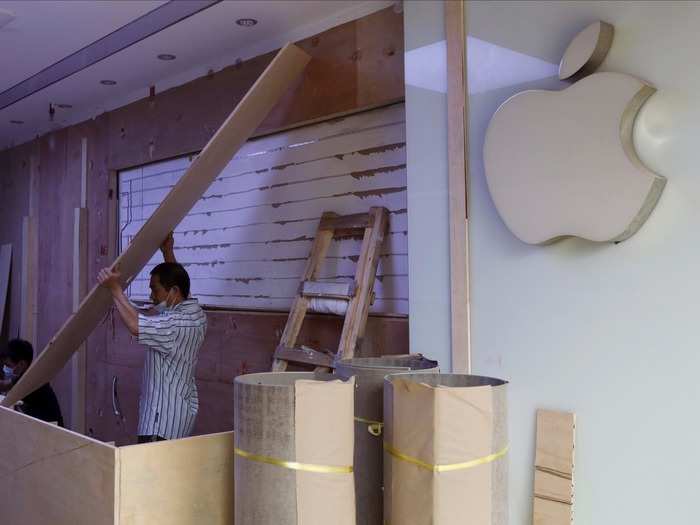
(563, 163)
(586, 51)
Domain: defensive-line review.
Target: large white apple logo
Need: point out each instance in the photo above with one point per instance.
(563, 163)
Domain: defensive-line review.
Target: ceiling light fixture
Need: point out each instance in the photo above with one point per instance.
(108, 82)
(17, 122)
(246, 22)
(6, 17)
(166, 56)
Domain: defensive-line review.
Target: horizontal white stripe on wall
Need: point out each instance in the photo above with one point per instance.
(245, 243)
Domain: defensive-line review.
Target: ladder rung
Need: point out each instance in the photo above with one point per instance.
(328, 290)
(304, 355)
(359, 221)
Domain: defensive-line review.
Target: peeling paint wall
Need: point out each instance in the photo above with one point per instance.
(246, 242)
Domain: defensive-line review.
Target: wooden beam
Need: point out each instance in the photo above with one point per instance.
(233, 133)
(365, 275)
(5, 266)
(30, 252)
(80, 240)
(457, 168)
(553, 496)
(79, 361)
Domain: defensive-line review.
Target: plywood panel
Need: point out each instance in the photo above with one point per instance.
(14, 192)
(178, 482)
(345, 74)
(246, 241)
(554, 468)
(5, 266)
(51, 475)
(237, 128)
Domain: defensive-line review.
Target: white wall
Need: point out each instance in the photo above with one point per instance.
(607, 331)
(426, 153)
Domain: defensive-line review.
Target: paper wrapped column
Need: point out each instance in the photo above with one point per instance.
(294, 449)
(369, 373)
(446, 443)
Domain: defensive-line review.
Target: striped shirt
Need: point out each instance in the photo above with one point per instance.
(169, 402)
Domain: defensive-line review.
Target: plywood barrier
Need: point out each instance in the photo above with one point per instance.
(446, 444)
(369, 373)
(52, 475)
(294, 447)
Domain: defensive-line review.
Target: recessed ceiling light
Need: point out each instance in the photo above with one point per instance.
(108, 82)
(246, 22)
(166, 56)
(17, 122)
(64, 106)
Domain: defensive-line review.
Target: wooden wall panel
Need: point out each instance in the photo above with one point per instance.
(171, 124)
(354, 65)
(59, 194)
(14, 191)
(236, 343)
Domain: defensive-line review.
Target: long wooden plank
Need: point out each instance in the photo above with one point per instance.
(29, 283)
(553, 496)
(79, 361)
(5, 265)
(237, 128)
(457, 170)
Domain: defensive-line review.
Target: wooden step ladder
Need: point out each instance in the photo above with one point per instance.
(358, 293)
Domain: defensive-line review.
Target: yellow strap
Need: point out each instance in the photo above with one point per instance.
(306, 467)
(445, 468)
(374, 427)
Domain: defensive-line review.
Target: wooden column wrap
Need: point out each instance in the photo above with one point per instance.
(456, 427)
(369, 373)
(303, 418)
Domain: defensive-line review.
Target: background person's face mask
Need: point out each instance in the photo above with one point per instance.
(8, 372)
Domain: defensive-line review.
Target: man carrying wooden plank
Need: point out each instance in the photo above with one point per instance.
(168, 403)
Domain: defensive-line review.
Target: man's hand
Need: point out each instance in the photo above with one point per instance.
(110, 279)
(167, 248)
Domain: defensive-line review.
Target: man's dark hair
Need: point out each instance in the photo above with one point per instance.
(173, 274)
(20, 350)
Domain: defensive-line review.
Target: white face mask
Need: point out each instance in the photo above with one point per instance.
(162, 306)
(8, 372)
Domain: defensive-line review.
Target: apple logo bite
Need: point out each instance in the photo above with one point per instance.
(562, 163)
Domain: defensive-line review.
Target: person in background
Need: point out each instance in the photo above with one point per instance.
(172, 338)
(42, 403)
